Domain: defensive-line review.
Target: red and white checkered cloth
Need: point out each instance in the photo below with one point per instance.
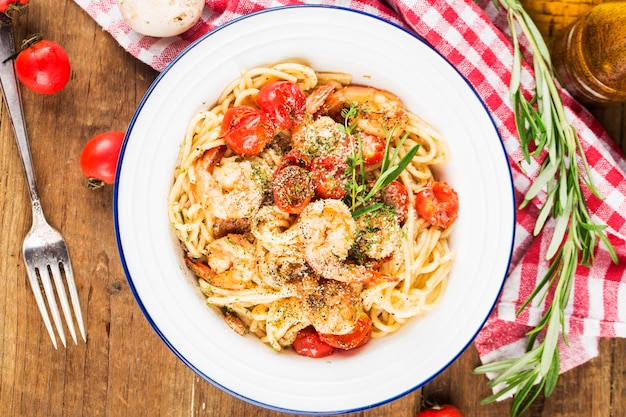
(473, 37)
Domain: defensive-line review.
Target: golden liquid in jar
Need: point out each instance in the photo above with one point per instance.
(590, 56)
(552, 16)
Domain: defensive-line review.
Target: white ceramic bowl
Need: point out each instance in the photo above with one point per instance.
(377, 53)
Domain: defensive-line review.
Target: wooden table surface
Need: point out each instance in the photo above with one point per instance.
(124, 369)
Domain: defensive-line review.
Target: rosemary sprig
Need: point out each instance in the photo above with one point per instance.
(390, 168)
(541, 122)
(356, 169)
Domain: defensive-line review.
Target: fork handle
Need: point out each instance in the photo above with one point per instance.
(13, 101)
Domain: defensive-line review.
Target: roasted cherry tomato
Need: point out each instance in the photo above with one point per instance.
(235, 115)
(445, 410)
(328, 173)
(438, 204)
(247, 130)
(8, 5)
(297, 158)
(372, 148)
(283, 102)
(395, 194)
(359, 336)
(43, 67)
(98, 160)
(292, 188)
(308, 343)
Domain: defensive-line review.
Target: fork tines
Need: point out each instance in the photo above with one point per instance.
(40, 277)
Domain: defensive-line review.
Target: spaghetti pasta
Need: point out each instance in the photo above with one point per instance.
(274, 272)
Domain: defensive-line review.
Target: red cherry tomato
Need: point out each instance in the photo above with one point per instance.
(372, 148)
(308, 343)
(43, 67)
(438, 204)
(297, 158)
(98, 160)
(445, 410)
(359, 336)
(292, 188)
(395, 194)
(247, 130)
(283, 102)
(328, 173)
(8, 5)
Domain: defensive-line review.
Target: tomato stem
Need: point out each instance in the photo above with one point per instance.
(26, 43)
(33, 39)
(95, 183)
(14, 9)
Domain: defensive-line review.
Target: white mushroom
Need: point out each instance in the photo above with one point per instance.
(161, 18)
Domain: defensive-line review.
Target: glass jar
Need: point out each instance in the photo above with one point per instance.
(552, 16)
(589, 56)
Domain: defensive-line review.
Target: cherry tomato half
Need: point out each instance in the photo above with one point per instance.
(43, 67)
(372, 148)
(395, 194)
(247, 130)
(359, 336)
(98, 160)
(292, 188)
(438, 204)
(283, 102)
(297, 158)
(328, 173)
(308, 343)
(7, 5)
(445, 410)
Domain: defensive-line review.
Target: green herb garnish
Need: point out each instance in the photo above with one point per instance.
(358, 195)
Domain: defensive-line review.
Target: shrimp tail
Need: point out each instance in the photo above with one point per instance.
(214, 279)
(201, 270)
(317, 98)
(211, 157)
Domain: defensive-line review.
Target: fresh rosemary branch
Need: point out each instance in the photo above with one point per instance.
(541, 123)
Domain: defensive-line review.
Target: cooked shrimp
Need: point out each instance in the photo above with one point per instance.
(378, 234)
(331, 306)
(231, 190)
(327, 226)
(231, 263)
(317, 98)
(327, 232)
(380, 112)
(336, 269)
(202, 183)
(317, 137)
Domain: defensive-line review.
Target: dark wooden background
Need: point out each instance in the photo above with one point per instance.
(124, 369)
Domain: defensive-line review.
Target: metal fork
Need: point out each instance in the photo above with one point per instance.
(45, 251)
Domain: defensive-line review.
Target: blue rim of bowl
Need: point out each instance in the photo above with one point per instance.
(418, 38)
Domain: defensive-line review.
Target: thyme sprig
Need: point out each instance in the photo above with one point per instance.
(359, 193)
(541, 123)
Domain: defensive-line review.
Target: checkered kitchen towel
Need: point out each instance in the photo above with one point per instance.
(473, 37)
